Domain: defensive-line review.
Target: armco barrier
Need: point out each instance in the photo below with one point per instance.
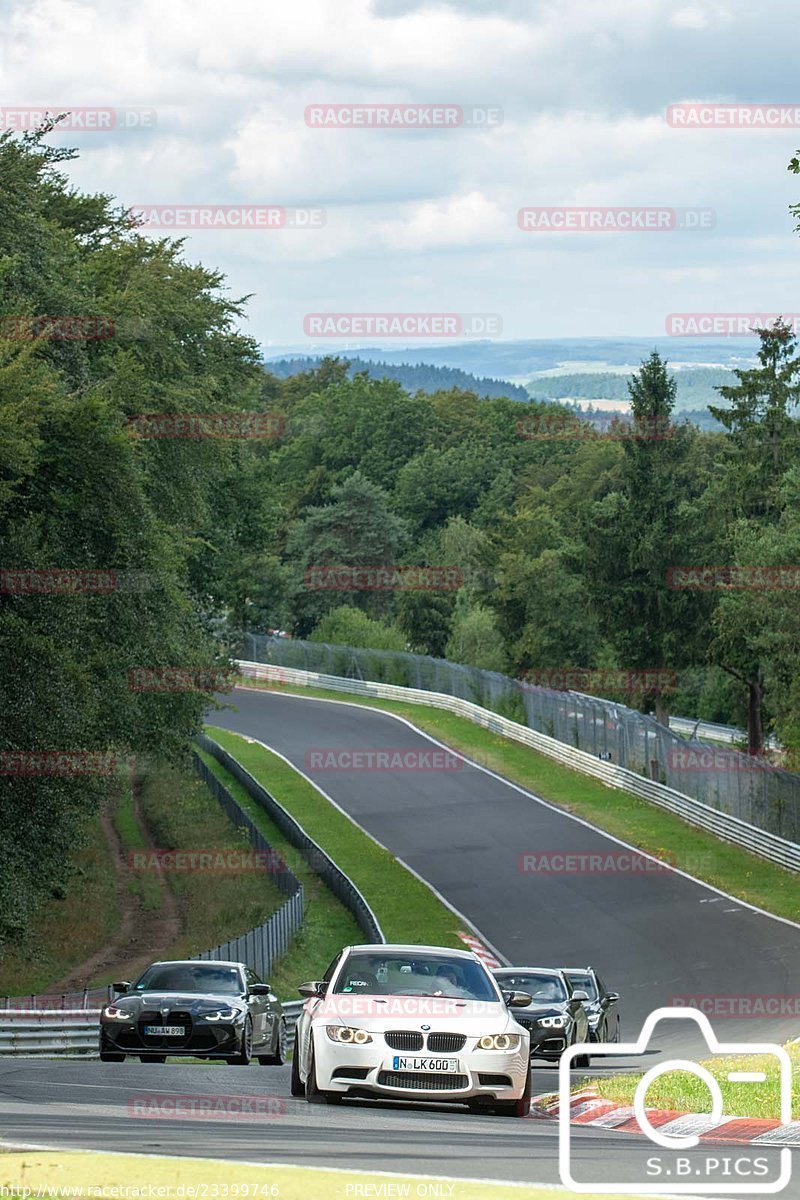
(259, 947)
(315, 856)
(754, 790)
(729, 828)
(74, 1032)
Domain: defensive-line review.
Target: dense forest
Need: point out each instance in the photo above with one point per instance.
(567, 546)
(414, 377)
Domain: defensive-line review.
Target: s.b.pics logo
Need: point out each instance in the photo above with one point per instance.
(685, 1163)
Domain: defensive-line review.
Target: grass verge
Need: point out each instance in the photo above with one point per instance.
(328, 924)
(682, 1092)
(41, 1173)
(638, 822)
(141, 886)
(406, 908)
(181, 814)
(68, 929)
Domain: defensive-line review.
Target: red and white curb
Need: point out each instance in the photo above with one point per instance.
(481, 950)
(588, 1108)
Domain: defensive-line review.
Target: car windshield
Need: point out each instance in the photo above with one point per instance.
(583, 982)
(190, 977)
(542, 985)
(415, 975)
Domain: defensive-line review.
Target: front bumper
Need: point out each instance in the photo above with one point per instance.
(371, 1070)
(202, 1039)
(546, 1043)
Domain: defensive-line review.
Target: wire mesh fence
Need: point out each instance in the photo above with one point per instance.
(752, 789)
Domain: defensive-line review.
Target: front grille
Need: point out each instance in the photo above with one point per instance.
(148, 1017)
(350, 1073)
(421, 1081)
(178, 1017)
(403, 1039)
(525, 1024)
(494, 1080)
(446, 1043)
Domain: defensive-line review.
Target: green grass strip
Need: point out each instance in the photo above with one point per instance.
(406, 908)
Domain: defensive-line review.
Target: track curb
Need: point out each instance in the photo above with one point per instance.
(588, 1108)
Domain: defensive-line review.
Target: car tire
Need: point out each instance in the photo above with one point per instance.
(582, 1062)
(281, 1050)
(245, 1055)
(517, 1108)
(154, 1058)
(313, 1093)
(296, 1085)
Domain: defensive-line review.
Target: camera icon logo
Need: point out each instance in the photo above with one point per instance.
(667, 1174)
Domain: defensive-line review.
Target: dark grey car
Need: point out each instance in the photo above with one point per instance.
(215, 1010)
(556, 1016)
(601, 1005)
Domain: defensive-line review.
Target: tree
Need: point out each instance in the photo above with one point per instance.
(634, 536)
(356, 529)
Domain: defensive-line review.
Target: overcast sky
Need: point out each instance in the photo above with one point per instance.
(426, 220)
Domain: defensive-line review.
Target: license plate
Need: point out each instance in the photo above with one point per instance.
(165, 1030)
(441, 1066)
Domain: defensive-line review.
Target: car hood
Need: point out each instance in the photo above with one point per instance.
(436, 1013)
(170, 1000)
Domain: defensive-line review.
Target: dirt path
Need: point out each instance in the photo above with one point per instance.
(142, 935)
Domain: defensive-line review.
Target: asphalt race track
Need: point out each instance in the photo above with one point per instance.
(654, 935)
(71, 1104)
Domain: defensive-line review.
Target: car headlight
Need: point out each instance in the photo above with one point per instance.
(552, 1022)
(112, 1013)
(348, 1035)
(222, 1014)
(498, 1041)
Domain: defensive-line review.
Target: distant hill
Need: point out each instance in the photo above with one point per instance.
(521, 359)
(414, 377)
(697, 387)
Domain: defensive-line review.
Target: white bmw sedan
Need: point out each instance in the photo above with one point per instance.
(412, 1023)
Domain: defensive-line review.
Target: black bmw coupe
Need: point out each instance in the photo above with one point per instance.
(214, 1010)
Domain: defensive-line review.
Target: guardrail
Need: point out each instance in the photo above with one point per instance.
(74, 1032)
(257, 947)
(751, 788)
(723, 825)
(315, 856)
(730, 734)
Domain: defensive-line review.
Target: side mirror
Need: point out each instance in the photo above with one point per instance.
(611, 997)
(517, 999)
(122, 987)
(317, 988)
(581, 996)
(258, 989)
